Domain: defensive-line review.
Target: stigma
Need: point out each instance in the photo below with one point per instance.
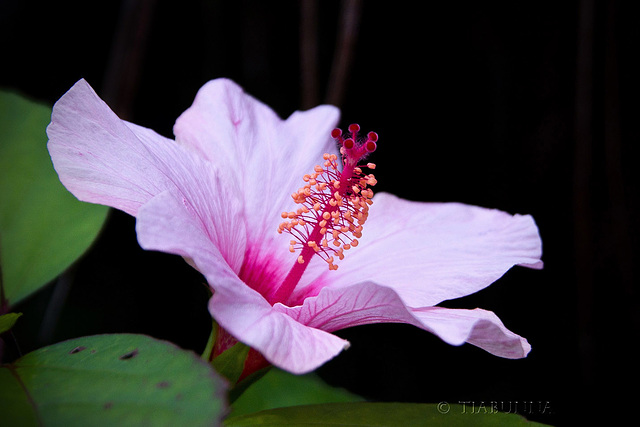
(333, 204)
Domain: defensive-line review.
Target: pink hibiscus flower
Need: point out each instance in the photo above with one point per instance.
(220, 196)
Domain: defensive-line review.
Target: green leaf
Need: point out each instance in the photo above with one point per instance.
(43, 227)
(120, 379)
(376, 415)
(231, 362)
(277, 389)
(8, 320)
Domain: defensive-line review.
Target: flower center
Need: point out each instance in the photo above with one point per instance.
(334, 206)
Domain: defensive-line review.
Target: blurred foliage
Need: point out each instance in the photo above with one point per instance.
(378, 415)
(8, 320)
(277, 389)
(43, 228)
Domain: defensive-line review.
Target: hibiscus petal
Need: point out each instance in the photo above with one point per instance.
(479, 327)
(431, 252)
(169, 223)
(367, 303)
(265, 155)
(283, 341)
(102, 159)
(202, 222)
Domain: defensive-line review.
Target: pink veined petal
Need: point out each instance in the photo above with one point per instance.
(367, 303)
(431, 252)
(102, 159)
(267, 156)
(283, 341)
(202, 222)
(361, 304)
(169, 223)
(479, 327)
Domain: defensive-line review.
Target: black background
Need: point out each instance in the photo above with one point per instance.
(528, 107)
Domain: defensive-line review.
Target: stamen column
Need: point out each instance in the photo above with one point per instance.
(333, 203)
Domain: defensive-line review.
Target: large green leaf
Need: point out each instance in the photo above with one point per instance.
(43, 228)
(277, 389)
(377, 415)
(121, 379)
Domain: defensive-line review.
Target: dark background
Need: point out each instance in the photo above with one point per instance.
(528, 107)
